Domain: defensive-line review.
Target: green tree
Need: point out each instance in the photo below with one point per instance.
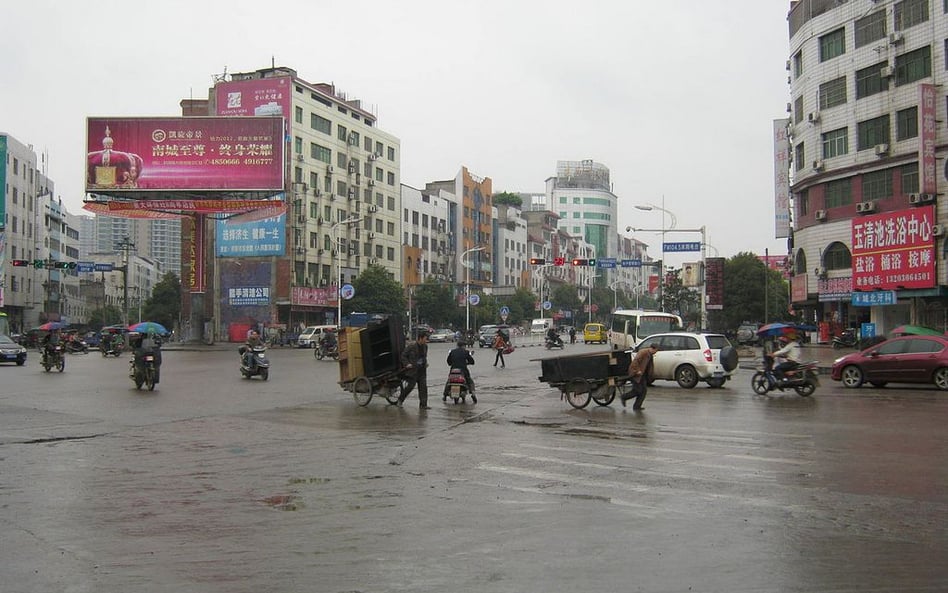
(681, 300)
(749, 287)
(376, 292)
(508, 199)
(107, 315)
(565, 297)
(434, 304)
(164, 305)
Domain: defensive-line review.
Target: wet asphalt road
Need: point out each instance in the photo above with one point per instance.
(214, 483)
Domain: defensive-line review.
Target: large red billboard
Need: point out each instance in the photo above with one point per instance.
(184, 153)
(894, 250)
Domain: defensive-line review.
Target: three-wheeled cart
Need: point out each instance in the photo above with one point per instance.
(369, 362)
(595, 376)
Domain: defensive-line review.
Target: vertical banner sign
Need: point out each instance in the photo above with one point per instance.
(3, 209)
(782, 179)
(926, 146)
(196, 255)
(714, 283)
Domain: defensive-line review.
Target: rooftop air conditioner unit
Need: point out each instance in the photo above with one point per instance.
(317, 192)
(372, 156)
(819, 272)
(813, 116)
(938, 230)
(882, 149)
(896, 37)
(374, 260)
(352, 192)
(866, 207)
(332, 198)
(323, 281)
(329, 170)
(915, 198)
(788, 65)
(301, 219)
(818, 165)
(352, 168)
(373, 209)
(887, 72)
(299, 157)
(319, 220)
(920, 199)
(371, 183)
(371, 236)
(789, 107)
(821, 214)
(320, 252)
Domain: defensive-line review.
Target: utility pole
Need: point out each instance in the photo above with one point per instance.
(125, 245)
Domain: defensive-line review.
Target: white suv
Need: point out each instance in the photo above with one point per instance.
(689, 357)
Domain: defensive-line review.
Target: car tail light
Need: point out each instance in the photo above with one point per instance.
(708, 356)
(149, 359)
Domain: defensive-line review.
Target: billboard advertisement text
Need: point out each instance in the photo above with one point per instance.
(894, 250)
(251, 239)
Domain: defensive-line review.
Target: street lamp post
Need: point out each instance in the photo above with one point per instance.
(335, 241)
(674, 223)
(615, 292)
(539, 271)
(467, 287)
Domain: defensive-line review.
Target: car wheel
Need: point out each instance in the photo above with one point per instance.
(687, 376)
(851, 377)
(20, 362)
(941, 378)
(728, 358)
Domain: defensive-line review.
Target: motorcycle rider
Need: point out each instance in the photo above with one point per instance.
(553, 337)
(141, 345)
(327, 342)
(459, 358)
(246, 351)
(789, 352)
(50, 340)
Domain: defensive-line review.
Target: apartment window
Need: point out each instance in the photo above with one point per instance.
(909, 13)
(342, 133)
(298, 115)
(914, 65)
(298, 145)
(341, 188)
(313, 180)
(368, 144)
(835, 143)
(870, 28)
(379, 174)
(341, 160)
(833, 44)
(320, 153)
(833, 93)
(869, 80)
(877, 185)
(906, 123)
(391, 153)
(872, 132)
(798, 108)
(799, 157)
(378, 149)
(391, 178)
(320, 124)
(798, 62)
(909, 175)
(838, 193)
(803, 202)
(837, 257)
(354, 138)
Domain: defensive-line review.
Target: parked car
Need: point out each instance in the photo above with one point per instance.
(688, 358)
(309, 337)
(10, 351)
(595, 332)
(905, 359)
(442, 335)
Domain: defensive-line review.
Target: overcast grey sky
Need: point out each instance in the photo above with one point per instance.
(676, 97)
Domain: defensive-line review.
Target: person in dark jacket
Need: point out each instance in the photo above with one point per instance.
(415, 365)
(459, 358)
(641, 373)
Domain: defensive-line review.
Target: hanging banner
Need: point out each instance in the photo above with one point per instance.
(196, 255)
(781, 179)
(927, 127)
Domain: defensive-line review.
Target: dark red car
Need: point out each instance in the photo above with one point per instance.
(906, 359)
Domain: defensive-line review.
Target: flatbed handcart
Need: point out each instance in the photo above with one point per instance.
(581, 378)
(369, 361)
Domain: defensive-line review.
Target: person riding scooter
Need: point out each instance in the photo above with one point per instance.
(789, 353)
(246, 351)
(554, 337)
(327, 342)
(142, 345)
(50, 341)
(459, 358)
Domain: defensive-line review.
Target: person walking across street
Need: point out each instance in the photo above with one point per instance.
(641, 372)
(499, 345)
(415, 365)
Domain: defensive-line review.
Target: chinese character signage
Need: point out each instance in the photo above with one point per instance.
(259, 96)
(681, 246)
(894, 250)
(781, 178)
(926, 130)
(834, 289)
(248, 295)
(305, 295)
(876, 297)
(184, 153)
(251, 239)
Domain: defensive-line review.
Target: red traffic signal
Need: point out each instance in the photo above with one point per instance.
(580, 262)
(537, 261)
(20, 262)
(559, 261)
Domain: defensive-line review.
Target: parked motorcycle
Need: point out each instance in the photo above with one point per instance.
(457, 387)
(847, 339)
(551, 343)
(803, 379)
(54, 357)
(254, 363)
(144, 370)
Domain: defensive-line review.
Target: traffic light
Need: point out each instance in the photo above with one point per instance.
(65, 265)
(537, 261)
(559, 261)
(591, 263)
(580, 262)
(20, 262)
(39, 264)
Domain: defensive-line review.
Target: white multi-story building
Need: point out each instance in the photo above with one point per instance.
(581, 194)
(866, 141)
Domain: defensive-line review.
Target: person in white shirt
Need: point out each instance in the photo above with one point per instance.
(788, 354)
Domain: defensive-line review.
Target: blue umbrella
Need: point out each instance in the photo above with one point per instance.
(776, 329)
(149, 327)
